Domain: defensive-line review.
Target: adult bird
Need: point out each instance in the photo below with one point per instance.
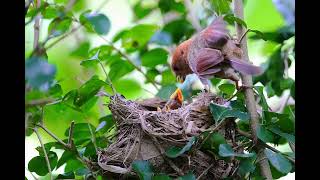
(211, 53)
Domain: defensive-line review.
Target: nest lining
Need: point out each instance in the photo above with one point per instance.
(145, 134)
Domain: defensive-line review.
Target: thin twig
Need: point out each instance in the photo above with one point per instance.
(34, 177)
(249, 136)
(70, 143)
(130, 61)
(205, 171)
(243, 35)
(52, 135)
(63, 37)
(211, 131)
(44, 152)
(38, 102)
(69, 5)
(249, 94)
(292, 146)
(107, 77)
(37, 27)
(93, 138)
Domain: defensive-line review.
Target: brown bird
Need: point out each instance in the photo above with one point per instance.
(211, 53)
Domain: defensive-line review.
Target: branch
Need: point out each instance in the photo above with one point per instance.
(52, 135)
(107, 76)
(70, 143)
(37, 27)
(205, 172)
(63, 37)
(44, 152)
(249, 136)
(38, 102)
(249, 94)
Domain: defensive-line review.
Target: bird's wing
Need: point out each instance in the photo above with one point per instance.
(207, 59)
(216, 34)
(245, 67)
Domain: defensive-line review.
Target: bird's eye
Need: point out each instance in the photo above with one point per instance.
(175, 68)
(182, 52)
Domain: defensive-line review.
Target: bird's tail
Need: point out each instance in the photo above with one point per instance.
(245, 67)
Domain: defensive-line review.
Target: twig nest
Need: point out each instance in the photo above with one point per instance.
(139, 128)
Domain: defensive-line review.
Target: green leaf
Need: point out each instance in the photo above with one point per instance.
(66, 155)
(269, 90)
(189, 176)
(286, 83)
(214, 141)
(220, 112)
(88, 90)
(39, 166)
(278, 161)
(225, 150)
(91, 61)
(82, 50)
(283, 121)
(95, 22)
(141, 10)
(161, 177)
(151, 74)
(227, 89)
(80, 131)
(166, 91)
(82, 171)
(246, 166)
(231, 19)
(168, 5)
(167, 77)
(288, 137)
(154, 57)
(73, 165)
(179, 29)
(67, 175)
(106, 123)
(118, 69)
(220, 6)
(143, 168)
(174, 151)
(263, 100)
(138, 36)
(47, 147)
(264, 134)
(39, 73)
(161, 38)
(59, 26)
(259, 34)
(50, 12)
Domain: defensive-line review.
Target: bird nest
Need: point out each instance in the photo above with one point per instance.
(143, 133)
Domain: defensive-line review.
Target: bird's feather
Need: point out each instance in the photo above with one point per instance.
(245, 67)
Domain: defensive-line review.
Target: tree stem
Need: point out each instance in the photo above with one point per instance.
(44, 152)
(249, 94)
(37, 27)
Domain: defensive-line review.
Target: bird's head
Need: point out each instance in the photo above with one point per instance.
(179, 63)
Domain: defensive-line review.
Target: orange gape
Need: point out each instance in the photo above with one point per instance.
(175, 101)
(211, 53)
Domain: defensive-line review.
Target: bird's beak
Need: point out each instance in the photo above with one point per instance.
(180, 79)
(177, 95)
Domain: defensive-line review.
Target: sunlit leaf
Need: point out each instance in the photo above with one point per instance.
(59, 26)
(39, 166)
(96, 22)
(154, 57)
